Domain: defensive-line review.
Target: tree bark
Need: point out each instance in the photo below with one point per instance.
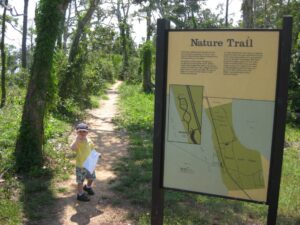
(226, 13)
(80, 29)
(3, 59)
(147, 62)
(30, 140)
(122, 15)
(62, 28)
(147, 56)
(24, 35)
(65, 85)
(248, 14)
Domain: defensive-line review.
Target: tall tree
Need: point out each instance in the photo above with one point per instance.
(248, 13)
(3, 57)
(146, 53)
(147, 64)
(82, 23)
(67, 83)
(122, 13)
(24, 35)
(226, 13)
(30, 140)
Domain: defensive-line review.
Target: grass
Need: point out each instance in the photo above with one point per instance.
(135, 172)
(29, 197)
(10, 116)
(289, 201)
(25, 196)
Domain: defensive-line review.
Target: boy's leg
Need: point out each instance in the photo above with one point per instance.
(89, 183)
(80, 188)
(80, 175)
(88, 187)
(90, 178)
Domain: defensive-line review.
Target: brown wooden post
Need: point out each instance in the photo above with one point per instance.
(279, 118)
(159, 119)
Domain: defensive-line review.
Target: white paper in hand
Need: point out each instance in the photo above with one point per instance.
(91, 161)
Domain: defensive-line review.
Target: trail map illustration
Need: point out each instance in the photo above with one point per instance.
(190, 112)
(241, 167)
(220, 103)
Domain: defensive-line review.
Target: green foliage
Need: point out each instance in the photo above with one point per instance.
(102, 39)
(47, 19)
(9, 212)
(20, 78)
(28, 158)
(30, 138)
(66, 101)
(97, 74)
(289, 199)
(117, 62)
(57, 162)
(72, 89)
(59, 68)
(191, 14)
(137, 118)
(10, 117)
(131, 73)
(292, 134)
(147, 52)
(294, 83)
(138, 107)
(88, 73)
(269, 14)
(289, 192)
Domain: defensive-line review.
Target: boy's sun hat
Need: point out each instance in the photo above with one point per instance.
(82, 127)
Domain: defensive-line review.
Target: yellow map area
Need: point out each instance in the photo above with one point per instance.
(241, 167)
(190, 111)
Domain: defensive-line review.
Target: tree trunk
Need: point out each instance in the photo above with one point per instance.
(147, 62)
(80, 29)
(148, 19)
(62, 29)
(3, 59)
(65, 32)
(248, 14)
(147, 56)
(125, 63)
(24, 35)
(30, 140)
(65, 86)
(226, 13)
(122, 15)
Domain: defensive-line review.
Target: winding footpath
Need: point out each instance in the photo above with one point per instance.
(105, 207)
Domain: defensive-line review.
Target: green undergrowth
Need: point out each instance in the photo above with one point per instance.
(180, 208)
(25, 196)
(10, 116)
(289, 200)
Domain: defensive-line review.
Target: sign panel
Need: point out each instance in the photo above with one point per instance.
(220, 100)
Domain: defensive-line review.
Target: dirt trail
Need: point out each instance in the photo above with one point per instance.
(105, 207)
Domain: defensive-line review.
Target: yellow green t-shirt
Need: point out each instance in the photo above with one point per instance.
(83, 150)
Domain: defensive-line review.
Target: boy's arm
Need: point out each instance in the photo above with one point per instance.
(74, 145)
(91, 144)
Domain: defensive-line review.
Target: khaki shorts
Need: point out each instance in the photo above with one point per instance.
(82, 174)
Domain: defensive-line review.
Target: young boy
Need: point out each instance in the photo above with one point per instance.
(83, 146)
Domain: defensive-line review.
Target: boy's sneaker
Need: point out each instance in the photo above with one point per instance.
(88, 190)
(83, 197)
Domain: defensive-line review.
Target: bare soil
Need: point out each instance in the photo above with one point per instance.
(106, 206)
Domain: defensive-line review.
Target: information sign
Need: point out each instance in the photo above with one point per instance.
(220, 101)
